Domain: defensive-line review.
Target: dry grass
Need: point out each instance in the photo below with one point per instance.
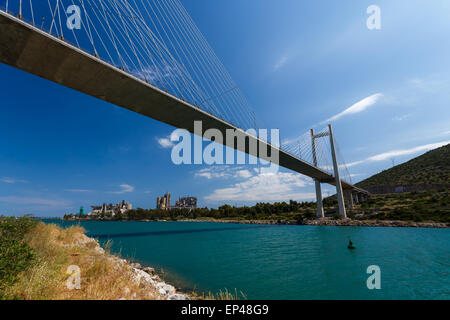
(103, 276)
(221, 295)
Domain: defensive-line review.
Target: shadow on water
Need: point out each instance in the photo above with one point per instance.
(171, 232)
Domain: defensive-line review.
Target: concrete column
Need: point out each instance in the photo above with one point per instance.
(349, 198)
(355, 198)
(320, 213)
(339, 192)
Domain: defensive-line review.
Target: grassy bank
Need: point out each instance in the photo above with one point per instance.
(37, 259)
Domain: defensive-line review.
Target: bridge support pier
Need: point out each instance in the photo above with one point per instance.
(349, 199)
(355, 197)
(339, 191)
(319, 201)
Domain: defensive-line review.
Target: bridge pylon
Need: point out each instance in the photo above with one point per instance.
(319, 200)
(339, 190)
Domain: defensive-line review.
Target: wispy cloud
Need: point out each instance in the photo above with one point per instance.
(397, 153)
(79, 190)
(221, 172)
(430, 84)
(280, 63)
(251, 185)
(265, 187)
(34, 201)
(126, 188)
(402, 117)
(357, 107)
(12, 180)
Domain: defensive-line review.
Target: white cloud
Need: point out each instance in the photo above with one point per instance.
(221, 172)
(397, 153)
(34, 201)
(12, 180)
(165, 143)
(357, 107)
(280, 63)
(210, 173)
(244, 174)
(282, 186)
(126, 188)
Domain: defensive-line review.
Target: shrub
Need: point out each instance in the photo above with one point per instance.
(15, 255)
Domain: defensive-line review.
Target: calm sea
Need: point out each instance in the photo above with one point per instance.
(286, 262)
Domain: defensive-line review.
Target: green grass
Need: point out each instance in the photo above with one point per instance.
(426, 206)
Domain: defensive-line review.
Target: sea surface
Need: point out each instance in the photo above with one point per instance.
(285, 262)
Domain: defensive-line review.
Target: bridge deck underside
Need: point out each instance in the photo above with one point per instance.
(31, 50)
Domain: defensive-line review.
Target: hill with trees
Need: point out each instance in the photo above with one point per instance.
(431, 168)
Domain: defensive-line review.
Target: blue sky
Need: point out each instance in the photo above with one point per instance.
(299, 63)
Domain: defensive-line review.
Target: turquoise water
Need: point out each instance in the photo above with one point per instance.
(286, 262)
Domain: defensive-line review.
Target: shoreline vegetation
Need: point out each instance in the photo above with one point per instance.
(39, 261)
(427, 209)
(332, 223)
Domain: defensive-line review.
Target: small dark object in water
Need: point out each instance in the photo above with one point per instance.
(350, 245)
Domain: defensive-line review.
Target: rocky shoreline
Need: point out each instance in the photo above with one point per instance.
(375, 223)
(149, 276)
(335, 223)
(145, 277)
(321, 222)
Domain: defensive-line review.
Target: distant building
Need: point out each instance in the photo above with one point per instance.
(112, 209)
(187, 202)
(183, 203)
(163, 202)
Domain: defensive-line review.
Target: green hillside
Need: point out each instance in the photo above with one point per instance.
(430, 168)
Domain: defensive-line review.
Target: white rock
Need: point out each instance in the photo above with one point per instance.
(149, 270)
(142, 277)
(170, 290)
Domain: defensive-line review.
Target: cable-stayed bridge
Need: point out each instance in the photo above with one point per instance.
(150, 57)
